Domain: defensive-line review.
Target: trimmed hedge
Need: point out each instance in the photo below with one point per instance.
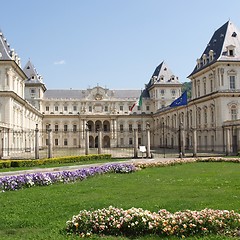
(5, 164)
(45, 161)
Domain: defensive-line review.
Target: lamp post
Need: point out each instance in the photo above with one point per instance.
(36, 142)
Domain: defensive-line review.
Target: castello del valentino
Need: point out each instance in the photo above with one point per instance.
(210, 120)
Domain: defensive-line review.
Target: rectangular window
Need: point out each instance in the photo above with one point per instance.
(121, 141)
(65, 108)
(121, 127)
(232, 83)
(74, 142)
(46, 141)
(105, 129)
(204, 88)
(74, 127)
(106, 108)
(47, 126)
(121, 108)
(234, 113)
(138, 108)
(139, 128)
(65, 142)
(147, 108)
(199, 142)
(33, 90)
(56, 142)
(130, 141)
(205, 116)
(56, 108)
(173, 92)
(130, 127)
(139, 141)
(222, 80)
(206, 142)
(65, 128)
(56, 128)
(90, 108)
(74, 108)
(47, 108)
(198, 90)
(211, 85)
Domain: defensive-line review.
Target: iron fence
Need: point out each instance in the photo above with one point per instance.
(19, 144)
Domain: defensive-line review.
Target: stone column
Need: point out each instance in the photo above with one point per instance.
(100, 141)
(227, 141)
(181, 141)
(115, 128)
(36, 142)
(194, 138)
(86, 140)
(135, 143)
(49, 142)
(112, 129)
(148, 140)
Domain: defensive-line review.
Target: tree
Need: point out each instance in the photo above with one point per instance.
(187, 86)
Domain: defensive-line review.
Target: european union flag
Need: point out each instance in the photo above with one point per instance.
(181, 101)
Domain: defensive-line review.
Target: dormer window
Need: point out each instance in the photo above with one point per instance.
(231, 51)
(204, 59)
(198, 63)
(211, 55)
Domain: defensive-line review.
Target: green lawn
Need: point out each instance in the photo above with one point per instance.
(41, 212)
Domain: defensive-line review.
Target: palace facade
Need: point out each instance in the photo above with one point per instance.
(209, 121)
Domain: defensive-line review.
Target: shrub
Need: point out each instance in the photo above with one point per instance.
(59, 160)
(5, 164)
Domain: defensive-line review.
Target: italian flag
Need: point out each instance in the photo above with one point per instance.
(137, 103)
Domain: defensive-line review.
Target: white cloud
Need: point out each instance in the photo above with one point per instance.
(61, 62)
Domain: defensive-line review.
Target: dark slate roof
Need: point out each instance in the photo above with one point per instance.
(223, 37)
(5, 51)
(162, 70)
(31, 73)
(81, 94)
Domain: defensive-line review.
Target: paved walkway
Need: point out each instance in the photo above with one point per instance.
(75, 167)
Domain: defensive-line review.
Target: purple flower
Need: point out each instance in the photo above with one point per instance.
(12, 183)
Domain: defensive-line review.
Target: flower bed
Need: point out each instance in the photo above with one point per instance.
(136, 221)
(44, 179)
(177, 161)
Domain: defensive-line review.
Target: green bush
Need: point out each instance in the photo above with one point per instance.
(59, 160)
(5, 164)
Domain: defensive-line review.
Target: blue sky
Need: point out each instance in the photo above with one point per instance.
(114, 43)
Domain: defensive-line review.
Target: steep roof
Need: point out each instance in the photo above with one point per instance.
(6, 53)
(32, 74)
(163, 75)
(227, 36)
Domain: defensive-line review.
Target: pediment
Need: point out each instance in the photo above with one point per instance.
(97, 94)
